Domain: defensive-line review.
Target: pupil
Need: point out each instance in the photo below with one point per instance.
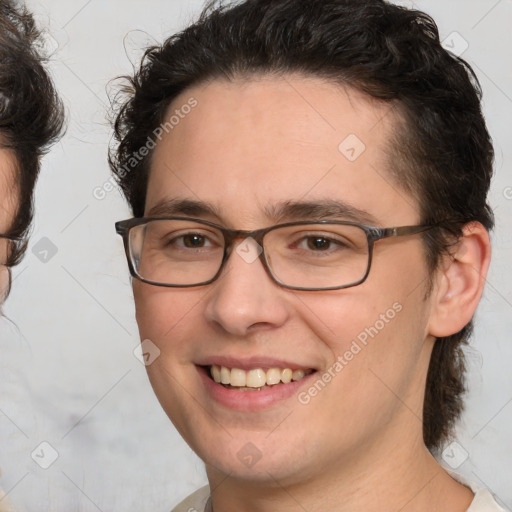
(193, 240)
(318, 243)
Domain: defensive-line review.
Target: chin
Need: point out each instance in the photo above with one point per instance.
(254, 457)
(253, 466)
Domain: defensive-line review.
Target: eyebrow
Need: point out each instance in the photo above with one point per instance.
(281, 212)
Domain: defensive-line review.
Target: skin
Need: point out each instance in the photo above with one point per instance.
(8, 198)
(357, 445)
(8, 204)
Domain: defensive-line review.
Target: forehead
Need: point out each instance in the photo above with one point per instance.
(248, 144)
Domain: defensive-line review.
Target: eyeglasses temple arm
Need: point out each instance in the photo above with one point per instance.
(400, 231)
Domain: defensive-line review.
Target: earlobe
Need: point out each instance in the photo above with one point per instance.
(461, 282)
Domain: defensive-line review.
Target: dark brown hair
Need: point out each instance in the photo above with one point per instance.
(31, 114)
(442, 150)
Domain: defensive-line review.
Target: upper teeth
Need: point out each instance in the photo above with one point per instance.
(255, 378)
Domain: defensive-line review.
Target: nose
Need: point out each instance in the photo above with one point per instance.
(244, 298)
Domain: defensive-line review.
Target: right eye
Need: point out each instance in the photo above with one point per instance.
(190, 241)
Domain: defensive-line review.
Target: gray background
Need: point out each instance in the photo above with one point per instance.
(68, 375)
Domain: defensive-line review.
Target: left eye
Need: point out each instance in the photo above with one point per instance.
(318, 243)
(193, 240)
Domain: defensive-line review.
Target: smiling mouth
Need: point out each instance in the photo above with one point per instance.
(256, 379)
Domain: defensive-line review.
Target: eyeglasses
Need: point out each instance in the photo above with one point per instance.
(304, 255)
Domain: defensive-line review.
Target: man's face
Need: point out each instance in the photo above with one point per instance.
(8, 198)
(248, 146)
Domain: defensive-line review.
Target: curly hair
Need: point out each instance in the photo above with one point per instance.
(441, 151)
(31, 114)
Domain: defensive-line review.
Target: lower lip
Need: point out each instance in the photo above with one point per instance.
(250, 400)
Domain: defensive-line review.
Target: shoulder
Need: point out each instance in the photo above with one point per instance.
(483, 500)
(196, 502)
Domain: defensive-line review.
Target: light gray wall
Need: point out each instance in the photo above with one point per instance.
(68, 375)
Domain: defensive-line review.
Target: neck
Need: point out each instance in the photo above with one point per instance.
(404, 478)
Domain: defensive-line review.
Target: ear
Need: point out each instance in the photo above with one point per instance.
(460, 282)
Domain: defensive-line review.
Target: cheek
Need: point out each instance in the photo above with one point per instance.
(159, 311)
(171, 319)
(348, 315)
(167, 317)
(378, 360)
(378, 328)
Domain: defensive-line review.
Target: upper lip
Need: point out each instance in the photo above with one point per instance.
(251, 363)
